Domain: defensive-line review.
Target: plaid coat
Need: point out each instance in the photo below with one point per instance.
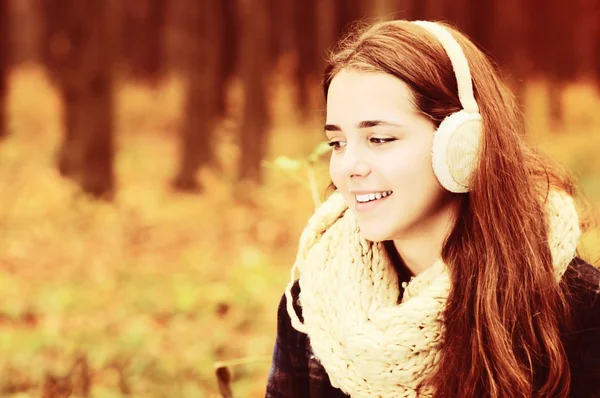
(295, 373)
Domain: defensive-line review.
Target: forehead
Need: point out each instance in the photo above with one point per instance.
(354, 96)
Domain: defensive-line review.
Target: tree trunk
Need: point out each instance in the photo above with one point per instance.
(326, 24)
(228, 52)
(596, 54)
(306, 35)
(551, 48)
(143, 25)
(458, 13)
(433, 9)
(24, 47)
(255, 121)
(482, 13)
(587, 32)
(203, 59)
(283, 38)
(556, 104)
(325, 30)
(80, 57)
(407, 9)
(349, 13)
(4, 50)
(383, 9)
(509, 27)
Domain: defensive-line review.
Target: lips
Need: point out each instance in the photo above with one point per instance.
(370, 204)
(367, 197)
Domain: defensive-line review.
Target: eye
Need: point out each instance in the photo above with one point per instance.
(336, 145)
(380, 141)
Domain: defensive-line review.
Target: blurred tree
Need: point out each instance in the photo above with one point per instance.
(349, 13)
(79, 57)
(550, 46)
(307, 50)
(254, 22)
(459, 14)
(202, 67)
(203, 58)
(596, 49)
(327, 31)
(228, 52)
(429, 9)
(384, 9)
(142, 32)
(24, 34)
(482, 15)
(318, 24)
(283, 15)
(209, 58)
(406, 9)
(586, 39)
(4, 51)
(508, 27)
(561, 60)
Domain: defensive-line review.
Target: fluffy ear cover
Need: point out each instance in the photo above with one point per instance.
(456, 142)
(455, 150)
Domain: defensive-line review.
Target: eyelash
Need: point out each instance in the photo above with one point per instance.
(336, 144)
(382, 140)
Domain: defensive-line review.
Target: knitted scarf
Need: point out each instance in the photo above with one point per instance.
(369, 344)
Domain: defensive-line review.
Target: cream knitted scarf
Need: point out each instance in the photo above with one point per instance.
(370, 345)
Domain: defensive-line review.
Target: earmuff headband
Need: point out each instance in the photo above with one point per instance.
(459, 63)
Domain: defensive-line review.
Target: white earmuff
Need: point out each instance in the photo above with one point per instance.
(457, 141)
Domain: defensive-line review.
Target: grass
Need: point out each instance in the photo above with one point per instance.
(141, 297)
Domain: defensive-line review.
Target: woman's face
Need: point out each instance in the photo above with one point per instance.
(382, 151)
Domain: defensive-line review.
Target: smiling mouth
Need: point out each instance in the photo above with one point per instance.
(370, 197)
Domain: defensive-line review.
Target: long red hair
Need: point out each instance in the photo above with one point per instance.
(506, 312)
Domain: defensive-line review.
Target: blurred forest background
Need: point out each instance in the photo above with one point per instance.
(157, 166)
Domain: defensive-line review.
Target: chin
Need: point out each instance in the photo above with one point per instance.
(374, 236)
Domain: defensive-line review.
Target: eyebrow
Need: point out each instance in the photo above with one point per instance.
(365, 124)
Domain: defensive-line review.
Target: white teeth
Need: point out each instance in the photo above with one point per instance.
(372, 196)
(362, 198)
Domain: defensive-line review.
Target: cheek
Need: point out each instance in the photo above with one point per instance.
(420, 159)
(334, 172)
(425, 191)
(339, 178)
(424, 169)
(411, 166)
(412, 175)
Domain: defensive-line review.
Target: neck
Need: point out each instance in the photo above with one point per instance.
(422, 247)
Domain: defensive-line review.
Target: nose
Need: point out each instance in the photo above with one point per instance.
(354, 162)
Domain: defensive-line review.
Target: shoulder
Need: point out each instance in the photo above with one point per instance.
(582, 270)
(295, 293)
(582, 342)
(285, 331)
(583, 286)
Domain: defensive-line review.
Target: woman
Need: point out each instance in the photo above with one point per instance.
(445, 263)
